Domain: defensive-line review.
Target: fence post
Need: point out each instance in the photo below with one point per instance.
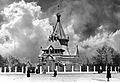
(4, 69)
(118, 69)
(100, 67)
(15, 68)
(94, 69)
(64, 68)
(48, 69)
(87, 68)
(80, 68)
(106, 68)
(0, 69)
(72, 68)
(40, 69)
(9, 69)
(26, 69)
(111, 68)
(22, 69)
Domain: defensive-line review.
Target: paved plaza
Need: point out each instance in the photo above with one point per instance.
(60, 78)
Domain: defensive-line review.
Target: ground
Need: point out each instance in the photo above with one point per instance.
(60, 78)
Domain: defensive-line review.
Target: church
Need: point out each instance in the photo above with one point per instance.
(60, 56)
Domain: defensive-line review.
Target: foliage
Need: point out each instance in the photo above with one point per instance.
(107, 55)
(15, 62)
(1, 61)
(116, 59)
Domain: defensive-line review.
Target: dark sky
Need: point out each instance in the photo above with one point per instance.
(45, 4)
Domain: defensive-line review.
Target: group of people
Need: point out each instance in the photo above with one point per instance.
(54, 75)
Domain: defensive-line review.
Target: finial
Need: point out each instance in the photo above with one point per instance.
(41, 47)
(77, 46)
(59, 3)
(58, 17)
(58, 7)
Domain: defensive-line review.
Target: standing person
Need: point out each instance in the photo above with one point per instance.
(108, 73)
(55, 73)
(28, 72)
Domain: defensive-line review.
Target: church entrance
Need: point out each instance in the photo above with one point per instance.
(49, 61)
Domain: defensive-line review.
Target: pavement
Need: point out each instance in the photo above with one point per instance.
(60, 78)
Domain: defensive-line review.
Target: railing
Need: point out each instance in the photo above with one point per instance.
(85, 69)
(64, 69)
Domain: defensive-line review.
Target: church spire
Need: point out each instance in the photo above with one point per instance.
(58, 31)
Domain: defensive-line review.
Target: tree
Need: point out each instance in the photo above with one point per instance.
(13, 61)
(116, 59)
(1, 61)
(105, 54)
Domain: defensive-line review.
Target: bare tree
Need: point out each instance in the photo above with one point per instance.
(106, 55)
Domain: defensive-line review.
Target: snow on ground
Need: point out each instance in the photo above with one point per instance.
(59, 78)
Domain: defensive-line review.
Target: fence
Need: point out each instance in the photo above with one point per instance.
(64, 69)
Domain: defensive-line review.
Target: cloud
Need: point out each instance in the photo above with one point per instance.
(101, 39)
(27, 32)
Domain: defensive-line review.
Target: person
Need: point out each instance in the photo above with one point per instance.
(55, 73)
(37, 70)
(28, 73)
(108, 73)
